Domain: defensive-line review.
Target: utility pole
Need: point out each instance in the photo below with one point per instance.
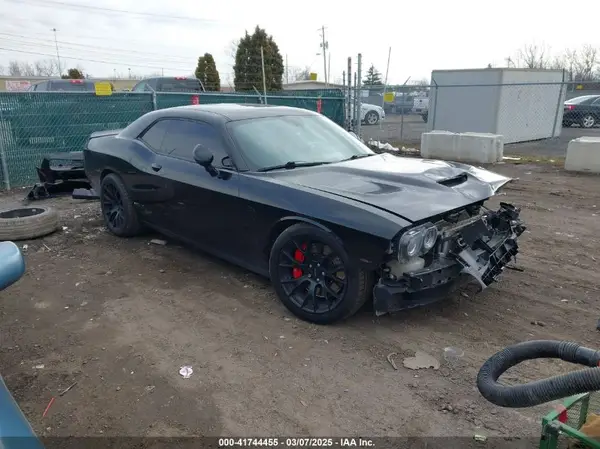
(129, 72)
(325, 47)
(264, 79)
(287, 72)
(57, 54)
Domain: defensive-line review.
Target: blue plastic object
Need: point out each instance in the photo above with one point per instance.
(15, 430)
(12, 264)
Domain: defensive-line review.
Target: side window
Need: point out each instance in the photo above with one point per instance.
(154, 136)
(183, 136)
(596, 102)
(139, 87)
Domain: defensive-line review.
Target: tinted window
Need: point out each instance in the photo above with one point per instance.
(183, 136)
(71, 86)
(154, 136)
(179, 85)
(586, 99)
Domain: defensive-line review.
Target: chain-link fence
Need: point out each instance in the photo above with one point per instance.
(520, 112)
(33, 124)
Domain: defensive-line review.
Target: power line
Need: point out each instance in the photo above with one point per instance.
(52, 3)
(92, 60)
(157, 58)
(110, 50)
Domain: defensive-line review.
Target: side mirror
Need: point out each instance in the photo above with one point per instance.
(203, 156)
(12, 264)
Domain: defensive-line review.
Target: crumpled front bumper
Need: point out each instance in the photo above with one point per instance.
(480, 250)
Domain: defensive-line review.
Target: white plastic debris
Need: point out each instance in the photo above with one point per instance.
(382, 145)
(186, 371)
(25, 247)
(39, 366)
(511, 158)
(158, 242)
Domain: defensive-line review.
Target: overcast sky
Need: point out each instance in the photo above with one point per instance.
(170, 35)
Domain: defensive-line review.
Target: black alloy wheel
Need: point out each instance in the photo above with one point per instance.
(119, 214)
(112, 203)
(313, 276)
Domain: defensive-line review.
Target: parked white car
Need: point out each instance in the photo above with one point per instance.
(370, 114)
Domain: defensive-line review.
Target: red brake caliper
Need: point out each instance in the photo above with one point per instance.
(298, 257)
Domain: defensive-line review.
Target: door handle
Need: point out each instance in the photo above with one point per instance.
(156, 167)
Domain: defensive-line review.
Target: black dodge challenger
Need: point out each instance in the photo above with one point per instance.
(288, 194)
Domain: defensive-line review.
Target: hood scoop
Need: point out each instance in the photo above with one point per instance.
(454, 181)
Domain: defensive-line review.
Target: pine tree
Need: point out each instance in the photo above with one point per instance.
(248, 68)
(373, 77)
(74, 74)
(207, 72)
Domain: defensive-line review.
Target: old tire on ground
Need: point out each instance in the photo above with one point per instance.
(120, 216)
(314, 277)
(372, 118)
(26, 223)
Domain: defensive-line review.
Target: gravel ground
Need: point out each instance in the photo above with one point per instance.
(121, 316)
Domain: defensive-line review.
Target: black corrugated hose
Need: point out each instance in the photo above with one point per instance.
(540, 391)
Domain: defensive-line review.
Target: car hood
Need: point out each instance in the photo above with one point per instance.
(413, 189)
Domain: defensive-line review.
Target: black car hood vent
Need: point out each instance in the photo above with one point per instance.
(454, 181)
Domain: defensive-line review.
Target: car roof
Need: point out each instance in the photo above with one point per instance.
(233, 111)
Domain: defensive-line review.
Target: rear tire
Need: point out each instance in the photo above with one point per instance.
(120, 216)
(588, 121)
(325, 286)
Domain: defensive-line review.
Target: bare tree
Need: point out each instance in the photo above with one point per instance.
(232, 50)
(14, 68)
(46, 67)
(533, 56)
(27, 69)
(298, 74)
(583, 64)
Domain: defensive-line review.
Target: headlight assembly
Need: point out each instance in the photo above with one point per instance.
(417, 241)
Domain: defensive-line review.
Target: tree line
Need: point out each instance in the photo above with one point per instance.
(581, 64)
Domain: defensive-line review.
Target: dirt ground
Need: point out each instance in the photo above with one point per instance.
(121, 316)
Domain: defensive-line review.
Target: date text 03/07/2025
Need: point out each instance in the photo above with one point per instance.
(295, 442)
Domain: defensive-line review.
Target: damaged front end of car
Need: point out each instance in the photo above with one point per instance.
(428, 260)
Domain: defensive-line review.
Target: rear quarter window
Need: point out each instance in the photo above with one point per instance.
(175, 85)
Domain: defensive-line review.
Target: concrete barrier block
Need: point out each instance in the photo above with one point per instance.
(583, 154)
(479, 148)
(484, 148)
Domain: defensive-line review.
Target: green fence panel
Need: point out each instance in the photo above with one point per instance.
(169, 100)
(331, 107)
(33, 124)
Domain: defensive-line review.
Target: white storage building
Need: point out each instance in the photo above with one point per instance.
(512, 102)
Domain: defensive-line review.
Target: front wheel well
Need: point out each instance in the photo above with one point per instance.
(105, 172)
(282, 225)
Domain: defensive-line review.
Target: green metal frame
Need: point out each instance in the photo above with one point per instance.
(552, 428)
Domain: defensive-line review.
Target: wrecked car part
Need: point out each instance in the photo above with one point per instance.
(85, 194)
(478, 246)
(59, 173)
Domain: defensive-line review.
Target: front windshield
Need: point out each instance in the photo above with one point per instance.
(271, 141)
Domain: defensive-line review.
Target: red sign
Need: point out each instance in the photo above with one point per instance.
(195, 99)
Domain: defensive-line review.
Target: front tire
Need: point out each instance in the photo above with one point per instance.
(372, 118)
(118, 211)
(314, 277)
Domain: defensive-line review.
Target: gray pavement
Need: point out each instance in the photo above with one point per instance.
(407, 130)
